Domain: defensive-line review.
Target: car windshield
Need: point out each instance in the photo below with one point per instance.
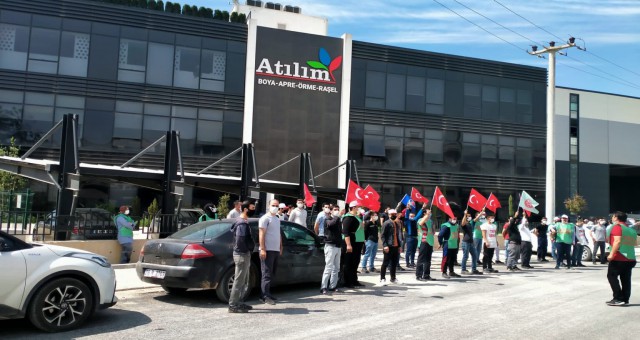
(202, 230)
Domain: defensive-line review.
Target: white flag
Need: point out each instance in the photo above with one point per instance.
(528, 203)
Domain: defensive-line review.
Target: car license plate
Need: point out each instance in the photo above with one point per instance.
(158, 274)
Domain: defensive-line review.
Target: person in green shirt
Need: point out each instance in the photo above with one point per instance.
(565, 236)
(622, 259)
(210, 213)
(426, 240)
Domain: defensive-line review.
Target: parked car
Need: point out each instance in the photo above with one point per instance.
(85, 224)
(587, 252)
(56, 288)
(188, 217)
(201, 256)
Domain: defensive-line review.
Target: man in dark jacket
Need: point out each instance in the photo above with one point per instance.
(353, 232)
(332, 231)
(243, 245)
(392, 246)
(514, 242)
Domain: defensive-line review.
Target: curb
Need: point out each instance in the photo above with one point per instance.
(123, 266)
(138, 288)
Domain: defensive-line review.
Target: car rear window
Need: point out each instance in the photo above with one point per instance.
(202, 230)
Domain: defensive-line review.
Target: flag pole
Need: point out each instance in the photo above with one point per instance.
(467, 209)
(486, 202)
(434, 194)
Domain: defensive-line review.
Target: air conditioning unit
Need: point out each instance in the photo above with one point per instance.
(288, 8)
(296, 9)
(270, 5)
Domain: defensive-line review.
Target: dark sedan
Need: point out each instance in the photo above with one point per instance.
(201, 256)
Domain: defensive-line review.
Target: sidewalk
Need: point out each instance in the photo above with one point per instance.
(127, 279)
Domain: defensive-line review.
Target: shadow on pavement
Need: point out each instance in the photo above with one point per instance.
(106, 321)
(286, 311)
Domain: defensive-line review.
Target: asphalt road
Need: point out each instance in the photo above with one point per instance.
(542, 303)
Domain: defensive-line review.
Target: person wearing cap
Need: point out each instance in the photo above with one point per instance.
(391, 246)
(622, 259)
(125, 225)
(299, 214)
(210, 213)
(353, 234)
(282, 209)
(449, 238)
(236, 211)
(541, 232)
(552, 237)
(564, 233)
(578, 245)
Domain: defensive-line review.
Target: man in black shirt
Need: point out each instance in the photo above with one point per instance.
(468, 225)
(541, 232)
(243, 245)
(371, 244)
(391, 242)
(353, 232)
(514, 242)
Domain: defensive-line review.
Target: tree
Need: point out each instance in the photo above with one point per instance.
(511, 211)
(223, 205)
(153, 208)
(9, 181)
(576, 204)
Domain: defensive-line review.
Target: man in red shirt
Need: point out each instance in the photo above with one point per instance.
(622, 259)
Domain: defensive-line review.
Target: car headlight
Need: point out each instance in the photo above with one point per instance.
(101, 260)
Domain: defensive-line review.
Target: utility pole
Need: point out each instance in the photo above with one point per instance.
(550, 192)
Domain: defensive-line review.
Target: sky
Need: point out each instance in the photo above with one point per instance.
(499, 30)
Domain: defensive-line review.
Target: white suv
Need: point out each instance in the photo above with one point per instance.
(56, 288)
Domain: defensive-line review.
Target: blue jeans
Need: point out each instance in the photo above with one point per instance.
(125, 253)
(468, 247)
(371, 248)
(576, 258)
(477, 243)
(554, 250)
(412, 246)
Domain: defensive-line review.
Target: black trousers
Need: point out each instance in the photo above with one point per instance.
(599, 245)
(268, 267)
(488, 255)
(423, 269)
(352, 262)
(449, 260)
(525, 253)
(564, 253)
(542, 248)
(390, 260)
(623, 270)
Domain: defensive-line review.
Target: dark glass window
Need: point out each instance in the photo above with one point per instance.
(413, 148)
(435, 96)
(490, 106)
(472, 100)
(507, 105)
(74, 54)
(374, 146)
(187, 67)
(396, 89)
(43, 50)
(376, 82)
(132, 62)
(160, 64)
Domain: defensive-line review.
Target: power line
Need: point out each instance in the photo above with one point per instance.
(597, 75)
(480, 27)
(495, 22)
(607, 73)
(612, 63)
(527, 20)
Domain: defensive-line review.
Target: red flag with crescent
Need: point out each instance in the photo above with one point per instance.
(354, 192)
(492, 203)
(371, 198)
(441, 202)
(308, 197)
(476, 200)
(416, 196)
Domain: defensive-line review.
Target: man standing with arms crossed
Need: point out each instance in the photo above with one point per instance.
(622, 259)
(270, 249)
(242, 248)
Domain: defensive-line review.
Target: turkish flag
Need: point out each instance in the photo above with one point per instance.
(371, 198)
(492, 203)
(416, 196)
(476, 200)
(354, 192)
(308, 197)
(441, 202)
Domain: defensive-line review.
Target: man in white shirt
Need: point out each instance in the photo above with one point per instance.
(490, 243)
(299, 214)
(525, 247)
(236, 211)
(270, 249)
(578, 245)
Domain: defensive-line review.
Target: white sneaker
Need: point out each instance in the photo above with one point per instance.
(383, 282)
(396, 282)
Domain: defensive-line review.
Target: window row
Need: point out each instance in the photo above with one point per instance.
(122, 125)
(438, 150)
(54, 51)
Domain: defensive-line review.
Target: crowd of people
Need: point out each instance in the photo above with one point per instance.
(352, 236)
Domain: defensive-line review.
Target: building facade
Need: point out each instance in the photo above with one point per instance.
(597, 153)
(416, 118)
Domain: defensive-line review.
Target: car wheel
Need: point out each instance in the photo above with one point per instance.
(586, 254)
(174, 290)
(61, 305)
(223, 291)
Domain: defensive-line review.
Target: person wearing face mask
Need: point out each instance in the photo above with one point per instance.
(332, 251)
(299, 214)
(515, 241)
(210, 213)
(541, 232)
(580, 240)
(353, 233)
(242, 248)
(468, 226)
(270, 240)
(490, 243)
(318, 227)
(392, 246)
(477, 236)
(426, 238)
(449, 237)
(411, 218)
(125, 225)
(599, 234)
(371, 244)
